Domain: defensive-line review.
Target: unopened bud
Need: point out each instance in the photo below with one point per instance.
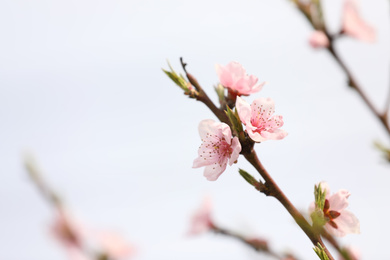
(180, 81)
(249, 178)
(234, 120)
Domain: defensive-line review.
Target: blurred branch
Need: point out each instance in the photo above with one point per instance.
(381, 116)
(353, 83)
(35, 175)
(257, 244)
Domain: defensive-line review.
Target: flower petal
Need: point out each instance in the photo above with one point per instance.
(212, 172)
(346, 223)
(339, 200)
(206, 127)
(225, 78)
(354, 25)
(277, 134)
(226, 132)
(255, 136)
(236, 147)
(318, 39)
(262, 109)
(244, 110)
(207, 156)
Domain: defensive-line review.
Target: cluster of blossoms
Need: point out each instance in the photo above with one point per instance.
(218, 145)
(221, 146)
(352, 25)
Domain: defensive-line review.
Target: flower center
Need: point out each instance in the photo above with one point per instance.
(330, 215)
(223, 148)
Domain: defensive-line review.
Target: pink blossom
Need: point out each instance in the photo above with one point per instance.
(233, 76)
(339, 220)
(354, 25)
(201, 220)
(217, 148)
(260, 124)
(79, 240)
(318, 39)
(113, 245)
(71, 235)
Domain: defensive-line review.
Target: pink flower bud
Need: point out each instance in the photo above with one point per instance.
(233, 76)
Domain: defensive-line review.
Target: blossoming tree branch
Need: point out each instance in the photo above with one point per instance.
(354, 26)
(224, 141)
(79, 241)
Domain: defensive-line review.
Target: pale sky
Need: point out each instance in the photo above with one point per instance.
(81, 87)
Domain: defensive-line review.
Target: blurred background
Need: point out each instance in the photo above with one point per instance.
(81, 87)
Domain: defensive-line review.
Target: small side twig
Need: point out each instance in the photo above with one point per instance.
(202, 97)
(259, 245)
(35, 175)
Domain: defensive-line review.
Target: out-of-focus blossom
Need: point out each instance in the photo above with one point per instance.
(318, 39)
(113, 245)
(258, 118)
(354, 25)
(339, 220)
(71, 235)
(233, 76)
(353, 253)
(217, 148)
(201, 220)
(80, 242)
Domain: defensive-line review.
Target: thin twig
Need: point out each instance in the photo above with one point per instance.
(353, 83)
(256, 244)
(35, 175)
(382, 117)
(202, 97)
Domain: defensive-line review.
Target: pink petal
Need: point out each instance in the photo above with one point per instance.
(114, 245)
(226, 132)
(244, 110)
(258, 87)
(262, 109)
(236, 146)
(354, 25)
(206, 157)
(277, 134)
(339, 200)
(67, 231)
(234, 77)
(255, 136)
(236, 70)
(346, 223)
(273, 123)
(212, 172)
(225, 78)
(201, 219)
(207, 126)
(318, 39)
